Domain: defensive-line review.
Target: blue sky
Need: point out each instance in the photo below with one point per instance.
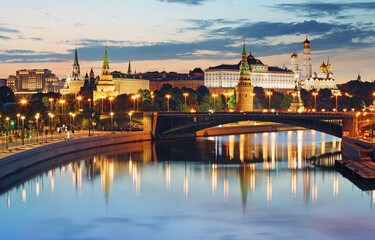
(178, 35)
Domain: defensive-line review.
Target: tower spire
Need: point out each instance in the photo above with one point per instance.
(75, 57)
(244, 49)
(76, 69)
(129, 68)
(105, 68)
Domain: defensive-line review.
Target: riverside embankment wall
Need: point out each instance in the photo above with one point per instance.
(22, 160)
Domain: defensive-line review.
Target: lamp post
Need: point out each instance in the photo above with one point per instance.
(134, 97)
(111, 121)
(70, 121)
(62, 101)
(79, 98)
(18, 121)
(130, 115)
(89, 102)
(214, 96)
(110, 104)
(73, 115)
(185, 95)
(269, 100)
(315, 94)
(7, 132)
(336, 94)
(137, 96)
(51, 126)
(23, 129)
(51, 103)
(102, 97)
(168, 97)
(37, 127)
(23, 103)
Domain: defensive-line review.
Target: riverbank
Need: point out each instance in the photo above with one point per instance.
(240, 129)
(19, 161)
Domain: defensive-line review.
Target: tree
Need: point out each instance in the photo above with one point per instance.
(232, 102)
(286, 102)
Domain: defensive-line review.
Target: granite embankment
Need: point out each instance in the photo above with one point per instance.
(19, 161)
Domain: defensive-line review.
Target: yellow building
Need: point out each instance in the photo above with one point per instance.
(129, 83)
(73, 83)
(106, 87)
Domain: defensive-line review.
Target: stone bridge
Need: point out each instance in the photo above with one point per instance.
(166, 125)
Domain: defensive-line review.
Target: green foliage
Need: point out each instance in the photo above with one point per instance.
(285, 103)
(232, 102)
(204, 107)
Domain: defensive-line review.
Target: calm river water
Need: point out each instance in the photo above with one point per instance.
(249, 186)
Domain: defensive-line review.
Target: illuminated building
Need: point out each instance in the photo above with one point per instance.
(244, 89)
(73, 83)
(306, 62)
(224, 78)
(106, 86)
(129, 83)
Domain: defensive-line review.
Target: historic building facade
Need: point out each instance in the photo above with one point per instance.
(129, 83)
(225, 77)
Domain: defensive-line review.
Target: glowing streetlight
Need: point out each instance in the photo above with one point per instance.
(130, 115)
(134, 97)
(23, 128)
(185, 95)
(168, 97)
(89, 102)
(37, 127)
(269, 99)
(23, 101)
(18, 121)
(70, 121)
(214, 96)
(110, 103)
(73, 115)
(337, 94)
(102, 97)
(51, 103)
(137, 96)
(315, 94)
(79, 98)
(111, 120)
(62, 102)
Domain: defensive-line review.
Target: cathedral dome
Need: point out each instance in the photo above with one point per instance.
(294, 55)
(323, 67)
(250, 56)
(306, 43)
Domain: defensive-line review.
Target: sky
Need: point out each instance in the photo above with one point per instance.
(179, 35)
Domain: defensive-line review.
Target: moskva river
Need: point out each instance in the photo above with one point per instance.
(251, 186)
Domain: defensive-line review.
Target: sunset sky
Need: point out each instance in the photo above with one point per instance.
(179, 35)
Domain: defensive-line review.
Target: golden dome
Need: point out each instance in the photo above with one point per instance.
(306, 43)
(294, 55)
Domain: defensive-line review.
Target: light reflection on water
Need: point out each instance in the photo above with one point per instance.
(228, 187)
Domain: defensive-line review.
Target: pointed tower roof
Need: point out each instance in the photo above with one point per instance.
(129, 68)
(91, 71)
(244, 49)
(75, 58)
(105, 62)
(328, 62)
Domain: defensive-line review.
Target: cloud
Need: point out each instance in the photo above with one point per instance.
(4, 37)
(187, 2)
(8, 30)
(320, 9)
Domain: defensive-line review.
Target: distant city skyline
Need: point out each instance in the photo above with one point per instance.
(179, 35)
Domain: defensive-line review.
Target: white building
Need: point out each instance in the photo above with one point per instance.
(261, 75)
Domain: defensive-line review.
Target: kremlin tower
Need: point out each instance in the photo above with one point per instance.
(244, 89)
(74, 82)
(105, 87)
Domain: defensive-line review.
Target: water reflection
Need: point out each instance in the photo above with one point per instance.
(268, 170)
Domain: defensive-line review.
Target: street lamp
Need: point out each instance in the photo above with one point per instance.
(89, 102)
(62, 101)
(269, 99)
(79, 98)
(214, 96)
(73, 115)
(110, 103)
(111, 121)
(316, 94)
(51, 126)
(102, 103)
(137, 96)
(336, 94)
(70, 121)
(168, 97)
(51, 103)
(185, 95)
(7, 131)
(18, 121)
(134, 97)
(130, 115)
(23, 130)
(37, 127)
